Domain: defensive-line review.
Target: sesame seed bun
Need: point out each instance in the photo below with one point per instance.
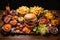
(30, 16)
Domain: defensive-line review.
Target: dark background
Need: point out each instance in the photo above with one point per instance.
(47, 4)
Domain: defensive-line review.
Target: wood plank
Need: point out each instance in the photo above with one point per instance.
(31, 37)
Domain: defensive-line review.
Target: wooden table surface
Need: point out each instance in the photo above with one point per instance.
(31, 37)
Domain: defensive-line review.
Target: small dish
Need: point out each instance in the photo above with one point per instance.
(54, 30)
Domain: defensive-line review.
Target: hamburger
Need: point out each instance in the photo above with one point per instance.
(30, 19)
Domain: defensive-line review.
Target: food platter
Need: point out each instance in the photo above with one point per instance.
(33, 20)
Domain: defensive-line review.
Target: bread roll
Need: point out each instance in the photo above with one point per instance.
(30, 16)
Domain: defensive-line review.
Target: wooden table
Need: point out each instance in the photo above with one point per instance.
(32, 37)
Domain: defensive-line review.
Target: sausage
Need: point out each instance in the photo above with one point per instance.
(7, 18)
(13, 12)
